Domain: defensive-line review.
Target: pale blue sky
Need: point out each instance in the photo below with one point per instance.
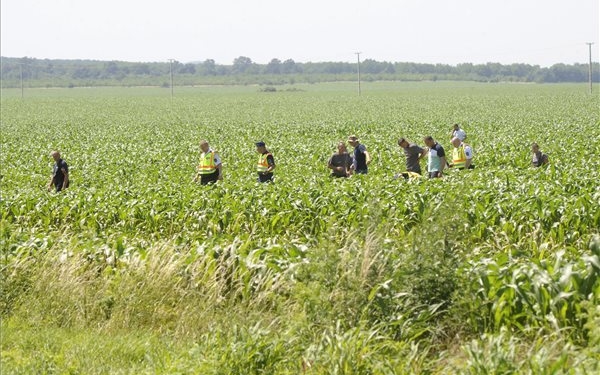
(540, 32)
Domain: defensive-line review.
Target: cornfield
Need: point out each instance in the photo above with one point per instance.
(492, 270)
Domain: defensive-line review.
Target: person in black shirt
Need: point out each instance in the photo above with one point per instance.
(340, 162)
(60, 173)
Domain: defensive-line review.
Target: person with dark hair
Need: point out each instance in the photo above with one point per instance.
(60, 173)
(457, 132)
(266, 163)
(538, 158)
(436, 158)
(340, 162)
(361, 156)
(413, 154)
(210, 169)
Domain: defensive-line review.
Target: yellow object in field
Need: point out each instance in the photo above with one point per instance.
(409, 175)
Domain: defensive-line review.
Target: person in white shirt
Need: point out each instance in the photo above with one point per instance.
(457, 132)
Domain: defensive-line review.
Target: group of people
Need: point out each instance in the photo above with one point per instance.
(341, 163)
(210, 168)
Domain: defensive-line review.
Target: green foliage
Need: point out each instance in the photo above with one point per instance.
(535, 294)
(84, 73)
(493, 270)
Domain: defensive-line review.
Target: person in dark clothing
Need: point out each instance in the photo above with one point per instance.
(538, 158)
(266, 163)
(60, 173)
(340, 162)
(413, 154)
(361, 156)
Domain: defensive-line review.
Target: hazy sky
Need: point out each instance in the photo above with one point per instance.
(540, 32)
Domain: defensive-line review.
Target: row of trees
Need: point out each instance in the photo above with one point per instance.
(44, 72)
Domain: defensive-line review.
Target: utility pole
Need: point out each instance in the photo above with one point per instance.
(358, 66)
(21, 64)
(590, 68)
(171, 74)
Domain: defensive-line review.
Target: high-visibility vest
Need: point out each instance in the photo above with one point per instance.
(459, 158)
(207, 163)
(263, 165)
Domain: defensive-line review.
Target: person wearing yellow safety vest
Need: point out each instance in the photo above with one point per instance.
(210, 168)
(266, 163)
(462, 155)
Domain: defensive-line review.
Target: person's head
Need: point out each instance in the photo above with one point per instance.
(55, 155)
(535, 147)
(204, 146)
(341, 146)
(455, 141)
(455, 127)
(402, 142)
(429, 141)
(261, 147)
(353, 140)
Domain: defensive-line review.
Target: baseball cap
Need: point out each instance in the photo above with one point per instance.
(260, 144)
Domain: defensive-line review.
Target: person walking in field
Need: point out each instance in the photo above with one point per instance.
(361, 156)
(436, 158)
(462, 155)
(413, 154)
(266, 163)
(457, 132)
(340, 162)
(60, 173)
(538, 158)
(210, 169)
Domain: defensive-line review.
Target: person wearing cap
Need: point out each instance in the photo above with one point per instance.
(60, 173)
(210, 169)
(457, 132)
(266, 163)
(462, 155)
(361, 156)
(436, 158)
(413, 154)
(340, 162)
(538, 158)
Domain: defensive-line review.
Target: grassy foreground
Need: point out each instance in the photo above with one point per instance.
(135, 269)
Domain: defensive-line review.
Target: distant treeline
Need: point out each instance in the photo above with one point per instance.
(72, 73)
